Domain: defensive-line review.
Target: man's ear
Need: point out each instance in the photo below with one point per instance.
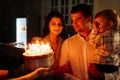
(110, 23)
(89, 18)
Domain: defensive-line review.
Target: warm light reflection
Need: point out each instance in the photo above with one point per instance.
(37, 49)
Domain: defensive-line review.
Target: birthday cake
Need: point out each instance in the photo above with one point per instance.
(40, 56)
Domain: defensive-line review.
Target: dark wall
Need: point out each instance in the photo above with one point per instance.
(10, 9)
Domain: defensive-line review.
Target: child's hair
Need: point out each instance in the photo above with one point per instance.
(110, 15)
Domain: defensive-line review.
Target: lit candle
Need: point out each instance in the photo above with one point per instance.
(37, 49)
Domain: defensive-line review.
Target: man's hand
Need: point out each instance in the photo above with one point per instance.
(68, 76)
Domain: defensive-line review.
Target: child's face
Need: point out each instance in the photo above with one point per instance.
(102, 24)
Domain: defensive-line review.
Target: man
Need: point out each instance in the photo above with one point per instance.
(76, 50)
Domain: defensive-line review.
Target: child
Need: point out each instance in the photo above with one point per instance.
(106, 38)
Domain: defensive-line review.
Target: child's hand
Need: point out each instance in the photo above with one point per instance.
(95, 26)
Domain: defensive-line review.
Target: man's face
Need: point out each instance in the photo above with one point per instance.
(79, 22)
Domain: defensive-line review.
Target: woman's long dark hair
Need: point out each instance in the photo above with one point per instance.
(47, 21)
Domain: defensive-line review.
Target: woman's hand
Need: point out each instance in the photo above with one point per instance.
(44, 72)
(38, 73)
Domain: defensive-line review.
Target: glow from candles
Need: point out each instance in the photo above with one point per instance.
(38, 49)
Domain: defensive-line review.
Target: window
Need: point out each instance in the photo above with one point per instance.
(91, 7)
(55, 9)
(62, 2)
(52, 9)
(91, 1)
(56, 2)
(86, 1)
(66, 2)
(66, 19)
(52, 2)
(73, 2)
(21, 31)
(78, 1)
(66, 10)
(62, 10)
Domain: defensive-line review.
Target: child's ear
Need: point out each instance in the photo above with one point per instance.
(110, 23)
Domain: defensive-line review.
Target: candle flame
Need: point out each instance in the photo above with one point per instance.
(37, 49)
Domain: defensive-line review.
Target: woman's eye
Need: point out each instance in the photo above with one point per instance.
(53, 24)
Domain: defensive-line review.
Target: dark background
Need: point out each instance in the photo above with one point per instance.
(10, 10)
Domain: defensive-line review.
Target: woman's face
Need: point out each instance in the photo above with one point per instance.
(55, 26)
(102, 24)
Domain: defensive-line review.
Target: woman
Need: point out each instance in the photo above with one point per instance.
(53, 33)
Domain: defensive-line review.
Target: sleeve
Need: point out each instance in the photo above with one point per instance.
(64, 54)
(108, 54)
(64, 66)
(109, 76)
(107, 48)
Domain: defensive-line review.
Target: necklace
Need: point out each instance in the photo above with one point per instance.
(54, 44)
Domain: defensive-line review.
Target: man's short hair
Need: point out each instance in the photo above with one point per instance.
(84, 8)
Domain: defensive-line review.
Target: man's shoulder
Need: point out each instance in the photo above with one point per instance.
(71, 38)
